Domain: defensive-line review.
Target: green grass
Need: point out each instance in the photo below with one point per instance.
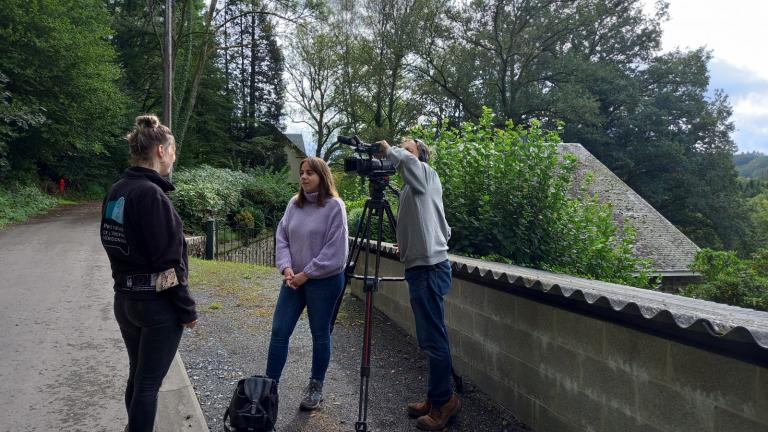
(66, 201)
(248, 285)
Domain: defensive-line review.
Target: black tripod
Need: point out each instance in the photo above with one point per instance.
(376, 208)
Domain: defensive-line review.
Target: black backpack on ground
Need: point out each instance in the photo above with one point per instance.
(253, 407)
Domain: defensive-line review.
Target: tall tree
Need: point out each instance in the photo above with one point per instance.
(315, 74)
(532, 58)
(594, 64)
(16, 119)
(213, 28)
(375, 90)
(57, 57)
(254, 64)
(673, 145)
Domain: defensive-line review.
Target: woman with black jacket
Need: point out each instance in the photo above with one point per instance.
(142, 235)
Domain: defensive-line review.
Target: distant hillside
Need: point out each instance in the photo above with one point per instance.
(752, 165)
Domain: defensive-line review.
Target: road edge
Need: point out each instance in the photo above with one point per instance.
(177, 406)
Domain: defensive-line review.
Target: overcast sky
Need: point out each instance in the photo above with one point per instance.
(737, 32)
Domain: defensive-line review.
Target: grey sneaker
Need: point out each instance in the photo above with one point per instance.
(313, 395)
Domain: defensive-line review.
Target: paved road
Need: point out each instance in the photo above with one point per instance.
(62, 361)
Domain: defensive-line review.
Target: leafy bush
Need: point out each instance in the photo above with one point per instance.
(353, 189)
(353, 218)
(18, 202)
(506, 196)
(233, 197)
(268, 193)
(250, 218)
(205, 191)
(759, 213)
(730, 279)
(244, 218)
(258, 220)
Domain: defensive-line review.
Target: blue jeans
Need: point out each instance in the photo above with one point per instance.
(152, 332)
(319, 296)
(427, 287)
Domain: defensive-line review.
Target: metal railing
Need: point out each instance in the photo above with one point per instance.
(239, 244)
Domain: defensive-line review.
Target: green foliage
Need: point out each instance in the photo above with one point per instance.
(753, 165)
(662, 134)
(751, 187)
(353, 219)
(506, 195)
(18, 202)
(60, 63)
(258, 220)
(353, 189)
(205, 191)
(15, 121)
(244, 218)
(267, 194)
(730, 279)
(255, 198)
(759, 213)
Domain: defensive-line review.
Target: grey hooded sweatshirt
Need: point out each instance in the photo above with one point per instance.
(422, 231)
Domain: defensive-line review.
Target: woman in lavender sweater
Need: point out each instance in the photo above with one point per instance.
(311, 254)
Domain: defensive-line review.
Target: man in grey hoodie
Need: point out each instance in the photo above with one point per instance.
(422, 236)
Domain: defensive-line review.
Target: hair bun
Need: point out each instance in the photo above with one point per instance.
(147, 121)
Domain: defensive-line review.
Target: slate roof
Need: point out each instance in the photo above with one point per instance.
(657, 239)
(297, 141)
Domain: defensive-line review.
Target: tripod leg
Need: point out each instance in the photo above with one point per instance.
(390, 216)
(371, 285)
(354, 254)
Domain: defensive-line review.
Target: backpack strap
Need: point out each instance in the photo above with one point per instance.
(224, 421)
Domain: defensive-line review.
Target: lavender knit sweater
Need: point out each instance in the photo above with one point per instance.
(313, 239)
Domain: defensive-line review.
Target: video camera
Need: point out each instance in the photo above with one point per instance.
(369, 166)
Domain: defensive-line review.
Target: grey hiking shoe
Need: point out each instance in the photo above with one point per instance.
(313, 395)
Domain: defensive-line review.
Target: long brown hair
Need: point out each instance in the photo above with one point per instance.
(327, 187)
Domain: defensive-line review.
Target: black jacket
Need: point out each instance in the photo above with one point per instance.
(142, 233)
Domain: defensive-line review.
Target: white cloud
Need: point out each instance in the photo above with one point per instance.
(733, 30)
(751, 106)
(750, 116)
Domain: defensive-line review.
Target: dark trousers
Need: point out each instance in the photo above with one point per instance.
(319, 296)
(152, 332)
(427, 286)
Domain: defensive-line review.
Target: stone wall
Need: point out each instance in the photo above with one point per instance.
(196, 246)
(561, 370)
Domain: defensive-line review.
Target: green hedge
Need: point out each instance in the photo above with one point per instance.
(19, 202)
(507, 196)
(730, 279)
(255, 199)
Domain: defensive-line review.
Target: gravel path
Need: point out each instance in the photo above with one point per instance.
(232, 339)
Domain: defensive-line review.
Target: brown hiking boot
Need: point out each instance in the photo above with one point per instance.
(438, 418)
(418, 409)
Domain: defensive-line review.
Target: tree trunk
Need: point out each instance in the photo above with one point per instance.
(198, 72)
(251, 128)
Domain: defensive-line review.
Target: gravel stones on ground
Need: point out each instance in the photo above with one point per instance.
(232, 339)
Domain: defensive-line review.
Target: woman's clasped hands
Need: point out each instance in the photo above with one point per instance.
(294, 280)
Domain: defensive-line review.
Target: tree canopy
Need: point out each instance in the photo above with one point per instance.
(74, 74)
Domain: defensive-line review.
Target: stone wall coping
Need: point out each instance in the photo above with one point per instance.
(719, 321)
